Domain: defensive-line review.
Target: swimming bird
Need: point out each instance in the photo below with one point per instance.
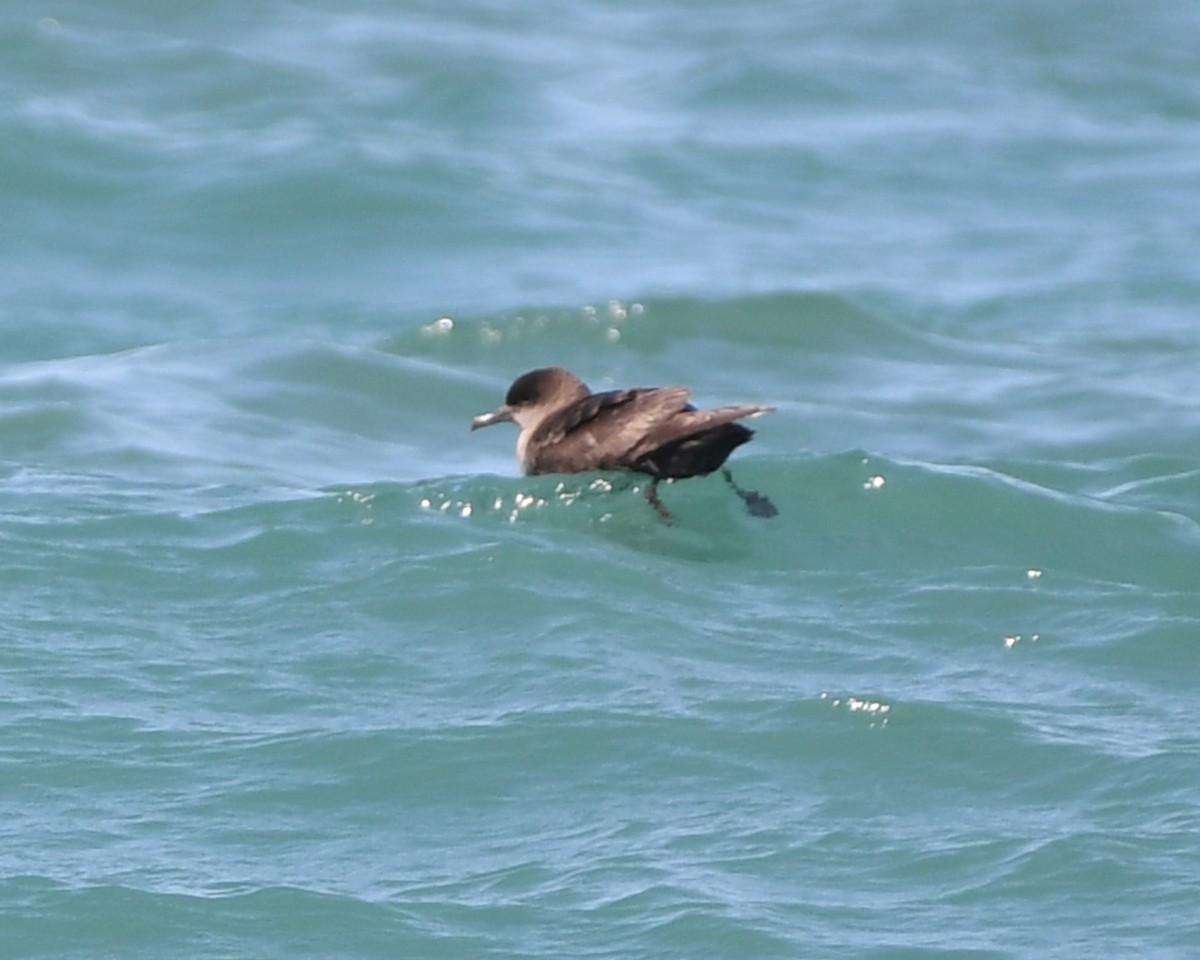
(565, 428)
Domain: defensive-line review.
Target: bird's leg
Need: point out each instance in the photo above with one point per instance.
(652, 498)
(756, 503)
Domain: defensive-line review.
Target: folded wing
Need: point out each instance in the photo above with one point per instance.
(607, 430)
(652, 430)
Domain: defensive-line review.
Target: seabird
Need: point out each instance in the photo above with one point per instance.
(565, 428)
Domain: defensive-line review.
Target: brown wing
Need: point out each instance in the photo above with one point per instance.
(690, 422)
(605, 431)
(696, 442)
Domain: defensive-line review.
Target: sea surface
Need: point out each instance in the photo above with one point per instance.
(293, 665)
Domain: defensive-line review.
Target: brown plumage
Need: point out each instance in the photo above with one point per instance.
(565, 428)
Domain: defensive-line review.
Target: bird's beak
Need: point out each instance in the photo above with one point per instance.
(499, 415)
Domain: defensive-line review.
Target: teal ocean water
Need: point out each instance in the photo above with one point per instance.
(293, 665)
